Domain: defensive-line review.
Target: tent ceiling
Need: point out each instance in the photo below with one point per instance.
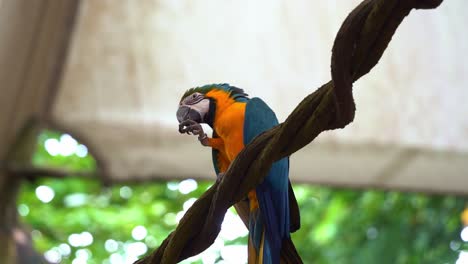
(129, 63)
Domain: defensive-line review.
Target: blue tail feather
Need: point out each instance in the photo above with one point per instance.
(272, 193)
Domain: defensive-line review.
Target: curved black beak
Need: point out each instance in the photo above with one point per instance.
(184, 113)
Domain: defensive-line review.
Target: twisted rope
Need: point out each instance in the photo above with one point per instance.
(359, 44)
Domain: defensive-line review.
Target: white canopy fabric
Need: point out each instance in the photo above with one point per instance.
(34, 36)
(129, 63)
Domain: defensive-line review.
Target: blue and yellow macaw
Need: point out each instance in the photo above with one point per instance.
(236, 120)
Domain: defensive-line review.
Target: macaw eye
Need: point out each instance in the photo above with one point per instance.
(193, 98)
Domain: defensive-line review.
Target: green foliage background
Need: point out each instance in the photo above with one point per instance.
(338, 226)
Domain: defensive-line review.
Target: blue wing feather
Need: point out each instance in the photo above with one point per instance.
(272, 193)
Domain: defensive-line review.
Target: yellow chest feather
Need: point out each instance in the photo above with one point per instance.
(230, 128)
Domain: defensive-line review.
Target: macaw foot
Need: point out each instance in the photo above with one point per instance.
(189, 126)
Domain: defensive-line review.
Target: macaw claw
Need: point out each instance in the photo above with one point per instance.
(190, 126)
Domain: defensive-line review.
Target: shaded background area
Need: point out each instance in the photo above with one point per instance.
(110, 75)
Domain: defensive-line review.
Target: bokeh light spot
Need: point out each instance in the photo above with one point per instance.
(151, 241)
(75, 199)
(81, 151)
(187, 186)
(52, 146)
(116, 259)
(232, 227)
(173, 186)
(372, 233)
(455, 245)
(170, 219)
(462, 258)
(464, 234)
(64, 249)
(158, 209)
(139, 232)
(23, 210)
(111, 245)
(83, 254)
(189, 203)
(44, 193)
(234, 253)
(74, 240)
(79, 261)
(36, 234)
(68, 145)
(179, 216)
(53, 255)
(80, 240)
(136, 249)
(86, 239)
(125, 192)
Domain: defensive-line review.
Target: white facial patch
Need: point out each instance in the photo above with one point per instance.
(202, 107)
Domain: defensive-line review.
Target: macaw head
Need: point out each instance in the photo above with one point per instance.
(200, 103)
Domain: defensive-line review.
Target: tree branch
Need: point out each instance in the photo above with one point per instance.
(358, 46)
